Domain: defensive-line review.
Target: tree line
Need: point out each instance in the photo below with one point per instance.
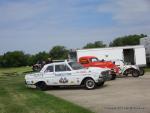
(19, 58)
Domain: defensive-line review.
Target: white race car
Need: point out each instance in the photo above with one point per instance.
(67, 74)
(126, 69)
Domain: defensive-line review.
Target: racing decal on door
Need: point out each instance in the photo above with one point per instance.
(63, 80)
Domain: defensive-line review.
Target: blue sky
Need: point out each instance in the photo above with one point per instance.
(38, 25)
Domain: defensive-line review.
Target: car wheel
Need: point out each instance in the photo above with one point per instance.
(41, 86)
(113, 77)
(142, 71)
(135, 73)
(89, 83)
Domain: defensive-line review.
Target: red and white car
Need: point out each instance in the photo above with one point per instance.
(92, 61)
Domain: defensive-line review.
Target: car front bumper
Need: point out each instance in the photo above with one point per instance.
(101, 79)
(30, 85)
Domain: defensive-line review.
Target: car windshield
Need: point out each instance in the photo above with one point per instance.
(75, 65)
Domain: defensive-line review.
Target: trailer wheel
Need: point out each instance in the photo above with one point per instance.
(135, 73)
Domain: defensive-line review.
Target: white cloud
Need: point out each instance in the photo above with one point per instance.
(127, 11)
(37, 26)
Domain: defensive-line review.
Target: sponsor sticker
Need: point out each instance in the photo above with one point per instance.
(63, 80)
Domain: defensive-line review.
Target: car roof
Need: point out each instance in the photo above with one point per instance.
(55, 63)
(88, 57)
(51, 64)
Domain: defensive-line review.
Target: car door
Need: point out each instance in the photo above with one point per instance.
(63, 74)
(66, 75)
(78, 73)
(49, 76)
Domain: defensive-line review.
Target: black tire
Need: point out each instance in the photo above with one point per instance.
(142, 72)
(41, 86)
(100, 84)
(135, 73)
(89, 84)
(113, 77)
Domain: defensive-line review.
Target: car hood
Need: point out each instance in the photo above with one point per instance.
(97, 69)
(104, 64)
(33, 75)
(92, 70)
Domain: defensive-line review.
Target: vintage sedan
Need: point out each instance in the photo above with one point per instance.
(67, 73)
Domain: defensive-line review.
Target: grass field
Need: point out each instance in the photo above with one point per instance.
(147, 69)
(16, 98)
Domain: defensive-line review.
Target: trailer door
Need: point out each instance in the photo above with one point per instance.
(128, 55)
(140, 56)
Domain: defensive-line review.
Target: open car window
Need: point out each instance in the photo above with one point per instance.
(83, 61)
(94, 59)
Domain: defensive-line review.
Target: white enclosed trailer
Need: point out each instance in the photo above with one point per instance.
(134, 55)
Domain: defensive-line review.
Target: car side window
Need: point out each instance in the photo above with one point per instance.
(49, 69)
(94, 59)
(84, 61)
(61, 67)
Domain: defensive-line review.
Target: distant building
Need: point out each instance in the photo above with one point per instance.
(146, 42)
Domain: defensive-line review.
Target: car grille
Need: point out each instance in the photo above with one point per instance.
(106, 74)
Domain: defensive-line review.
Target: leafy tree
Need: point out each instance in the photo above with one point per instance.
(14, 59)
(41, 56)
(96, 44)
(59, 52)
(1, 60)
(30, 59)
(127, 40)
(18, 58)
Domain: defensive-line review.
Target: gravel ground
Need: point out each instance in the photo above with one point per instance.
(123, 95)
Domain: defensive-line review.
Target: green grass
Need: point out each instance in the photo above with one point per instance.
(14, 71)
(16, 98)
(147, 69)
